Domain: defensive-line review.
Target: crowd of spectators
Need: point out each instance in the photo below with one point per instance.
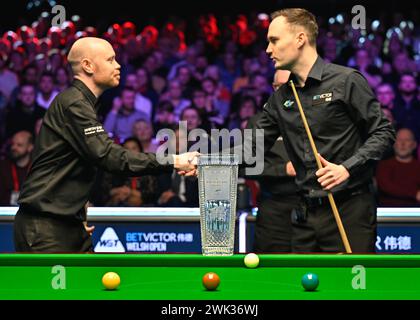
(217, 78)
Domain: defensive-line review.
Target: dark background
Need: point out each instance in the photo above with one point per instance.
(142, 12)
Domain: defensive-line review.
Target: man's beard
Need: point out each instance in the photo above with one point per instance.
(409, 92)
(16, 156)
(406, 155)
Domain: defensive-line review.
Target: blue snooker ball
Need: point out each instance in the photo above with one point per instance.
(310, 281)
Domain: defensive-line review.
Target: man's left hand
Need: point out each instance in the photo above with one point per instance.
(90, 229)
(331, 175)
(192, 173)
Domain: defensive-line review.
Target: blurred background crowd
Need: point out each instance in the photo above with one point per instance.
(216, 76)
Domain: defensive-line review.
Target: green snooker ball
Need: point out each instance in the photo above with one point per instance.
(310, 281)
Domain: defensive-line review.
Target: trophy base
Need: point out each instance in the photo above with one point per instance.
(217, 251)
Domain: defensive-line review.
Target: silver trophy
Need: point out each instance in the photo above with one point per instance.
(218, 176)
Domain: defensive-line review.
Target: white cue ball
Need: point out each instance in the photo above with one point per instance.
(251, 260)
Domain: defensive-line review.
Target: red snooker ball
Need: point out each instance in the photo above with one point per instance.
(211, 281)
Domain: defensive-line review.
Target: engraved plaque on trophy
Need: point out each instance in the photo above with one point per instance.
(218, 175)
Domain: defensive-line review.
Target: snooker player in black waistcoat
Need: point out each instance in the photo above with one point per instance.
(71, 145)
(349, 130)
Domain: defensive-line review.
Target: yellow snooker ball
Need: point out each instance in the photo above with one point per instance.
(251, 260)
(111, 280)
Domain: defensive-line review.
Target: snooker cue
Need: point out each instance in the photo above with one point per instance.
(318, 162)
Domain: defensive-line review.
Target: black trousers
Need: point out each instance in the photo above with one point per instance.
(37, 233)
(317, 231)
(273, 228)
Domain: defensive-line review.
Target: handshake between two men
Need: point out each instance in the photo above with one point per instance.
(186, 163)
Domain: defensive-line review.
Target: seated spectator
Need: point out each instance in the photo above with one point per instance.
(141, 102)
(143, 132)
(29, 75)
(131, 81)
(123, 191)
(154, 65)
(176, 190)
(229, 69)
(146, 97)
(398, 178)
(365, 65)
(46, 93)
(329, 49)
(401, 64)
(188, 61)
(248, 68)
(385, 94)
(200, 138)
(280, 78)
(41, 62)
(209, 115)
(8, 79)
(17, 60)
(221, 92)
(260, 89)
(200, 67)
(119, 122)
(13, 170)
(144, 87)
(215, 104)
(247, 109)
(25, 114)
(174, 95)
(266, 67)
(193, 118)
(55, 60)
(62, 79)
(164, 117)
(407, 107)
(185, 78)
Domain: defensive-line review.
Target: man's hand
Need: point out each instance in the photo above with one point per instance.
(88, 229)
(116, 104)
(186, 162)
(125, 192)
(331, 175)
(120, 194)
(290, 170)
(135, 198)
(418, 196)
(192, 173)
(166, 196)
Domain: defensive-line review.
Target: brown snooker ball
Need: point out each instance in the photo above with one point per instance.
(211, 281)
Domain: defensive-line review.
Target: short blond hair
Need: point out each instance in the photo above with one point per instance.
(300, 17)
